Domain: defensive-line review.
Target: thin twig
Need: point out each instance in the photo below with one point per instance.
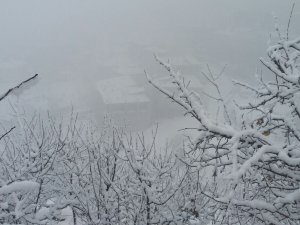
(288, 27)
(16, 87)
(3, 135)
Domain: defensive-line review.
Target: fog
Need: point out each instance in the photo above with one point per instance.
(73, 45)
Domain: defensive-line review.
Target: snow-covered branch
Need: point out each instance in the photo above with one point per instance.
(255, 168)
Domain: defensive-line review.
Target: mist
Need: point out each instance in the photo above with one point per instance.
(73, 45)
(150, 112)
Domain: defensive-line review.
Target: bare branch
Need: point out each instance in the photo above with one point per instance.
(17, 87)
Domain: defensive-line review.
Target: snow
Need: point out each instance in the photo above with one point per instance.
(121, 89)
(248, 147)
(245, 148)
(42, 213)
(191, 102)
(291, 197)
(18, 186)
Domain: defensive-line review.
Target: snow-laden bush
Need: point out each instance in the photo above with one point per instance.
(249, 164)
(243, 167)
(28, 152)
(114, 178)
(99, 177)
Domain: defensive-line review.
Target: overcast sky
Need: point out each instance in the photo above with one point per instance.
(72, 44)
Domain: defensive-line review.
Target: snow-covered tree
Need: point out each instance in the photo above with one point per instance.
(90, 170)
(153, 179)
(27, 155)
(28, 164)
(249, 160)
(114, 178)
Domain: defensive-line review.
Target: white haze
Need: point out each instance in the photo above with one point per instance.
(73, 44)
